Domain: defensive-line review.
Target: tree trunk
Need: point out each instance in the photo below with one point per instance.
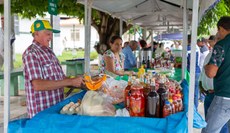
(107, 28)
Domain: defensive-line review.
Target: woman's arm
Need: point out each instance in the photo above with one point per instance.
(110, 66)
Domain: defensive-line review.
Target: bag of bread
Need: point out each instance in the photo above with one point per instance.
(94, 104)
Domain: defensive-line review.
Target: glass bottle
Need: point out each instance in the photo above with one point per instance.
(137, 101)
(152, 104)
(143, 62)
(163, 96)
(126, 93)
(148, 63)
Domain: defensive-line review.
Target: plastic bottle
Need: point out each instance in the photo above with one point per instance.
(167, 110)
(172, 106)
(141, 71)
(152, 104)
(180, 104)
(163, 96)
(175, 103)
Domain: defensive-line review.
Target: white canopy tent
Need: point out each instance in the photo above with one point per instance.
(156, 15)
(160, 15)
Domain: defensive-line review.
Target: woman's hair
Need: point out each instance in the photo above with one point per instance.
(224, 22)
(143, 43)
(112, 40)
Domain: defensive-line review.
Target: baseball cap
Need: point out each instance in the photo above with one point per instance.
(39, 25)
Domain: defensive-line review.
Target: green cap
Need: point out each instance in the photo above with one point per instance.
(39, 25)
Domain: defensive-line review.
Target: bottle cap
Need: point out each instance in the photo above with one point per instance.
(167, 102)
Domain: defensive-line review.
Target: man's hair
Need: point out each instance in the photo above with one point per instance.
(133, 42)
(212, 38)
(224, 22)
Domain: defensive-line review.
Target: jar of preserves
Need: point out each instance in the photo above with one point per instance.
(137, 101)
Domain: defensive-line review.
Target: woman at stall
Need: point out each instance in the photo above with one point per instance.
(113, 59)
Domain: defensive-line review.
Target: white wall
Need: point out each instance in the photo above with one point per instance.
(24, 39)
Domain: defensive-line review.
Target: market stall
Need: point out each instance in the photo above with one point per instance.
(24, 125)
(50, 120)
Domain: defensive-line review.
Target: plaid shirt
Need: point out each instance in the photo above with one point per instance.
(41, 63)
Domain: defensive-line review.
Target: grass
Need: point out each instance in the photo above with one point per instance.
(66, 55)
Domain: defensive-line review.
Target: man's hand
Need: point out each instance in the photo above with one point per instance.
(78, 81)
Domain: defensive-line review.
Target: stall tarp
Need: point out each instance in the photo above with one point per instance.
(169, 36)
(51, 121)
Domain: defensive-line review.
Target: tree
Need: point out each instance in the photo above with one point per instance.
(105, 25)
(211, 18)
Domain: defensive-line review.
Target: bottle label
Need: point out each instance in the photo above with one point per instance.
(137, 106)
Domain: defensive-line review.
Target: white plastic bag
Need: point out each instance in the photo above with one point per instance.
(94, 104)
(115, 89)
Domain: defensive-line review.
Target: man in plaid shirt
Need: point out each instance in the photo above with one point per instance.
(44, 77)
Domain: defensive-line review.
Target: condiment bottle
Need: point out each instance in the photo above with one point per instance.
(163, 96)
(167, 110)
(152, 104)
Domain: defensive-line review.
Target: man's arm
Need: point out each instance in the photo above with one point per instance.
(211, 70)
(215, 61)
(44, 85)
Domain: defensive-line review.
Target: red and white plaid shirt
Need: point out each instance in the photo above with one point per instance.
(41, 63)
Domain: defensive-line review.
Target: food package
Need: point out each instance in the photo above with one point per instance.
(94, 104)
(114, 89)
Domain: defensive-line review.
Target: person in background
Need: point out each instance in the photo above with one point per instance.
(206, 84)
(155, 46)
(204, 50)
(144, 45)
(44, 77)
(12, 39)
(125, 44)
(160, 49)
(197, 70)
(218, 68)
(130, 59)
(112, 62)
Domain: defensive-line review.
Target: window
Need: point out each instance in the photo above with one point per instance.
(75, 34)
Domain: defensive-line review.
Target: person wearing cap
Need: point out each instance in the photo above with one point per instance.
(218, 68)
(12, 39)
(206, 83)
(44, 77)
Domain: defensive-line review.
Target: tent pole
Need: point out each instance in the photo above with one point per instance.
(7, 31)
(185, 37)
(121, 27)
(88, 6)
(192, 66)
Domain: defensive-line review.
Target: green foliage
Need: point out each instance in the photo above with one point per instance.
(211, 18)
(32, 8)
